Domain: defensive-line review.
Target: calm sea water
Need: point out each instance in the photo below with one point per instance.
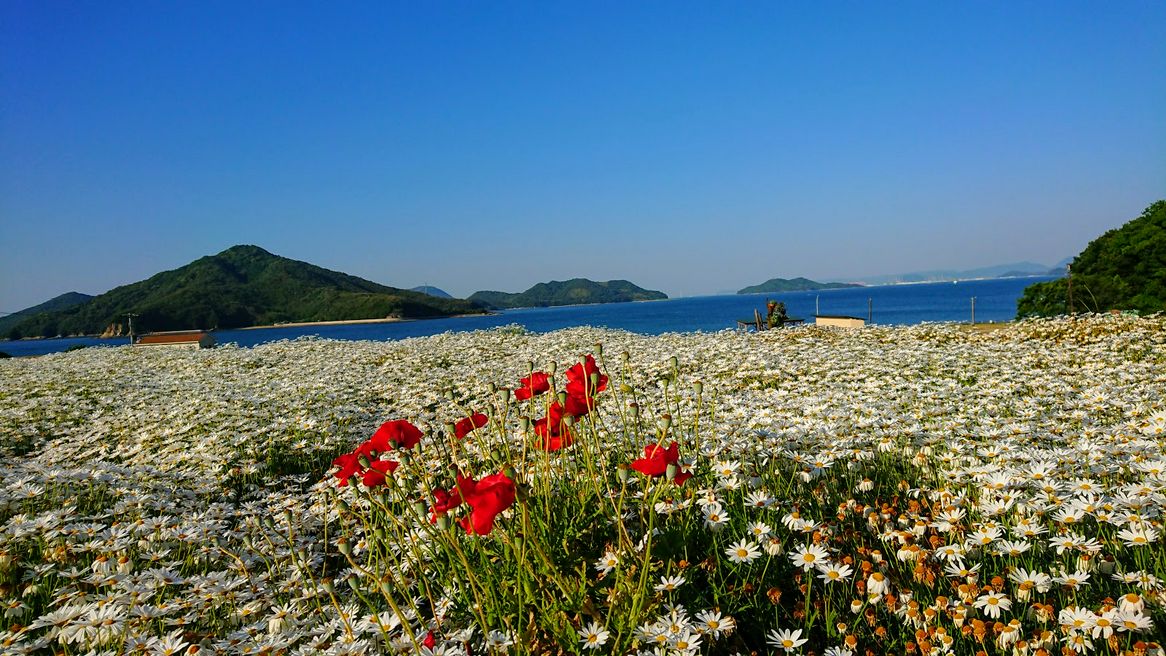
(890, 304)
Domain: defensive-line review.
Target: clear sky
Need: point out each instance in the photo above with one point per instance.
(691, 147)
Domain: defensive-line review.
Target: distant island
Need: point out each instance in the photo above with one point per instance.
(576, 291)
(432, 291)
(777, 285)
(1123, 269)
(240, 287)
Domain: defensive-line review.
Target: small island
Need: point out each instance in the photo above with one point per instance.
(577, 291)
(778, 285)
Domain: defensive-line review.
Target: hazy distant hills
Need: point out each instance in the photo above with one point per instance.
(62, 302)
(431, 291)
(1015, 269)
(570, 292)
(777, 285)
(241, 286)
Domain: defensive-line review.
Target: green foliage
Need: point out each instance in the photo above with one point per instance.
(1124, 269)
(577, 291)
(242, 286)
(776, 285)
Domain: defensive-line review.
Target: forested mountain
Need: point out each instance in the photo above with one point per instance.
(66, 300)
(241, 286)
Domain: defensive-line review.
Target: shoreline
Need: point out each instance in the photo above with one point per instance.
(301, 324)
(353, 322)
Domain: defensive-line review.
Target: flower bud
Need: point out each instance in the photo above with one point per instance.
(625, 357)
(599, 349)
(327, 585)
(671, 472)
(524, 423)
(698, 387)
(363, 460)
(624, 388)
(561, 397)
(621, 472)
(343, 547)
(379, 534)
(552, 368)
(673, 362)
(492, 387)
(634, 409)
(664, 422)
(443, 521)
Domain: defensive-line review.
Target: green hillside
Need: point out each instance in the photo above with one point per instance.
(775, 285)
(1123, 269)
(577, 291)
(242, 286)
(66, 300)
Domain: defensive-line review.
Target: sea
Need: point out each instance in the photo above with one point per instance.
(899, 304)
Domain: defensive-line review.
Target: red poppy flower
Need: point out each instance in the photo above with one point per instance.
(399, 432)
(377, 470)
(579, 379)
(487, 498)
(444, 502)
(656, 460)
(577, 406)
(429, 641)
(554, 442)
(349, 464)
(463, 427)
(533, 385)
(552, 424)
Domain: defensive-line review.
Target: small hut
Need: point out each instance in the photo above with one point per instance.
(839, 321)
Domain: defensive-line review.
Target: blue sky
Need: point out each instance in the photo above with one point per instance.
(691, 147)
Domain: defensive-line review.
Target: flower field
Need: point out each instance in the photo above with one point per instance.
(919, 490)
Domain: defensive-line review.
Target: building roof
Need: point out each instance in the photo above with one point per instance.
(171, 338)
(837, 316)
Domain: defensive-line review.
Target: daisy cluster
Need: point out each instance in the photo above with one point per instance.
(920, 489)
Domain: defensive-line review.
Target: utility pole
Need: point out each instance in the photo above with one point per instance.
(816, 310)
(870, 310)
(130, 320)
(1069, 275)
(973, 310)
